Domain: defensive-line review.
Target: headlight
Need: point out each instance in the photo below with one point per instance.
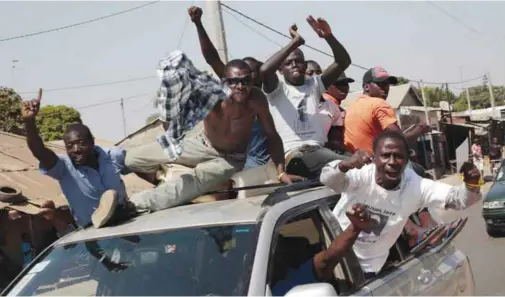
(493, 204)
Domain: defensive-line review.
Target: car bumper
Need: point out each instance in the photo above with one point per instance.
(494, 218)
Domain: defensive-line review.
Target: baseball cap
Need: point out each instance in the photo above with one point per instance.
(343, 79)
(378, 74)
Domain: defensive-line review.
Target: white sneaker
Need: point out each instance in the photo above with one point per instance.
(105, 209)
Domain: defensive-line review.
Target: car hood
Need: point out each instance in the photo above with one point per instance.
(496, 192)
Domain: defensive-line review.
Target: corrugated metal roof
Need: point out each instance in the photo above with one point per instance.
(19, 169)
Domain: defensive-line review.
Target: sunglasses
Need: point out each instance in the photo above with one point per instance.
(233, 81)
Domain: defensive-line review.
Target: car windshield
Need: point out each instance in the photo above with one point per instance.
(192, 261)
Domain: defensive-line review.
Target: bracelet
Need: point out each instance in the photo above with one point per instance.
(281, 175)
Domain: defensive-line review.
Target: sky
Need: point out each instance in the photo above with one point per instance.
(413, 39)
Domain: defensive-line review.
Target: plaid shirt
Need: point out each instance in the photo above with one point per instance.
(186, 97)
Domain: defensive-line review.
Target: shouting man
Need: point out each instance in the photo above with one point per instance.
(294, 101)
(391, 192)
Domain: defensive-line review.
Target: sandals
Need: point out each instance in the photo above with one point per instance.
(426, 238)
(452, 230)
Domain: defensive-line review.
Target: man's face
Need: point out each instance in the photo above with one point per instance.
(495, 140)
(390, 158)
(313, 69)
(339, 90)
(240, 81)
(255, 72)
(378, 89)
(79, 147)
(293, 68)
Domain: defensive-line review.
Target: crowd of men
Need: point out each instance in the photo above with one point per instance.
(284, 112)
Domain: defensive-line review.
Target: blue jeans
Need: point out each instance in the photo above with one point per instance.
(257, 152)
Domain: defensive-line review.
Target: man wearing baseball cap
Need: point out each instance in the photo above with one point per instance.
(333, 96)
(368, 116)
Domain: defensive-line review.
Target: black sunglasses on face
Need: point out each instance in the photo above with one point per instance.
(233, 81)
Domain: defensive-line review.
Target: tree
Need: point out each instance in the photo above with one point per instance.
(10, 112)
(52, 121)
(479, 97)
(435, 95)
(402, 80)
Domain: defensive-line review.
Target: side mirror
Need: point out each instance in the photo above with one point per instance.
(488, 178)
(319, 289)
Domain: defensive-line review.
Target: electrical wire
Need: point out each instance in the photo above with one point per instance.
(77, 24)
(327, 54)
(112, 101)
(92, 85)
(454, 18)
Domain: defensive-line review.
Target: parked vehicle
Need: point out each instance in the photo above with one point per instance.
(493, 206)
(229, 248)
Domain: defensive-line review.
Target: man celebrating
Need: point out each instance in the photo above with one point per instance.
(294, 101)
(84, 173)
(391, 192)
(217, 152)
(258, 148)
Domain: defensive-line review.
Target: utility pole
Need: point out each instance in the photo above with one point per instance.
(218, 37)
(124, 119)
(467, 93)
(421, 86)
(487, 78)
(448, 100)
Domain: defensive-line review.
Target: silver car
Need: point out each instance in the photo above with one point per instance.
(233, 247)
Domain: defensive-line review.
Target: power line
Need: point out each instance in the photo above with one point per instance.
(454, 18)
(252, 29)
(77, 24)
(112, 101)
(326, 54)
(92, 85)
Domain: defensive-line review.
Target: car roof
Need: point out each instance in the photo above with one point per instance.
(237, 211)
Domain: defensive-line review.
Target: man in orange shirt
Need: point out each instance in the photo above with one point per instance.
(369, 115)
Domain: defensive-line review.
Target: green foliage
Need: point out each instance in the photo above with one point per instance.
(10, 112)
(402, 80)
(435, 95)
(53, 120)
(479, 97)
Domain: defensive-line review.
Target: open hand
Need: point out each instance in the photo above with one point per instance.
(293, 32)
(195, 13)
(320, 26)
(360, 217)
(359, 159)
(290, 178)
(30, 109)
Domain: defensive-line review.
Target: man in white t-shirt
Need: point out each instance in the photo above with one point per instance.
(294, 98)
(391, 192)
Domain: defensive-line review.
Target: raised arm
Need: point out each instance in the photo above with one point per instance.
(269, 68)
(326, 261)
(342, 60)
(29, 110)
(209, 51)
(339, 176)
(274, 141)
(444, 196)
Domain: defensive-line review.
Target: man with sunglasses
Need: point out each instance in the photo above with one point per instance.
(295, 100)
(257, 154)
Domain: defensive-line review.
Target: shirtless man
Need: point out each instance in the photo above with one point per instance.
(215, 154)
(257, 154)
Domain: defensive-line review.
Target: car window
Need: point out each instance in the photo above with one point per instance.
(295, 243)
(191, 261)
(500, 176)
